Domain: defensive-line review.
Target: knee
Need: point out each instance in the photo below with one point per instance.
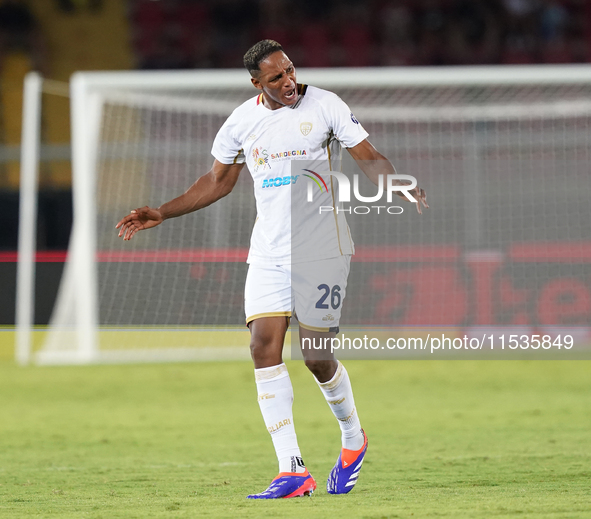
(257, 347)
(266, 341)
(265, 352)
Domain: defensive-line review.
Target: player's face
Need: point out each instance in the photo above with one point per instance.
(277, 80)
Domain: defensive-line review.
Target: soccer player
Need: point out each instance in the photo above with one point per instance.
(288, 122)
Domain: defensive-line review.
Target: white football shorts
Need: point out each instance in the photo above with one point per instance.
(313, 292)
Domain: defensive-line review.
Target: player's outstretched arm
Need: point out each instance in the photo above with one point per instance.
(373, 163)
(215, 184)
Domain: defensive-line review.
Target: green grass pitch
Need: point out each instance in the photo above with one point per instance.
(446, 439)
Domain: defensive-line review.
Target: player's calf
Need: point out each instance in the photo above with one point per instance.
(322, 370)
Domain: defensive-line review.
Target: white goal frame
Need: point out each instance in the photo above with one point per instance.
(87, 92)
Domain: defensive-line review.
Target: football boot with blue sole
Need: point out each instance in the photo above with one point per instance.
(344, 475)
(288, 484)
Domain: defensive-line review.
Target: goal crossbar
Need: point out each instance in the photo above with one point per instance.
(349, 77)
(508, 111)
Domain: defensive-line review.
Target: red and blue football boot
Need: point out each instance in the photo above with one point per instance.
(344, 475)
(288, 484)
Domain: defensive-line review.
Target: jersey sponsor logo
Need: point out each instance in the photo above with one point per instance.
(316, 178)
(306, 128)
(280, 181)
(288, 154)
(353, 119)
(261, 159)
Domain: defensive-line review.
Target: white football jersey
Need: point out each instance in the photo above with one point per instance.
(289, 229)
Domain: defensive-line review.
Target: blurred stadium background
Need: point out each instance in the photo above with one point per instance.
(59, 37)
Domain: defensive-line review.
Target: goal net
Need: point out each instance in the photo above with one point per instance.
(502, 152)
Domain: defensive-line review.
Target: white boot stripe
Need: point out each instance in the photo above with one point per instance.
(350, 483)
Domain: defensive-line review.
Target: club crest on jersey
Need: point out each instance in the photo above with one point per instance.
(261, 159)
(306, 128)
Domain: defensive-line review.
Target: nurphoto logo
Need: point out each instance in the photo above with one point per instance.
(390, 186)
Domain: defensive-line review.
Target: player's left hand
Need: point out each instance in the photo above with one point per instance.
(421, 196)
(138, 220)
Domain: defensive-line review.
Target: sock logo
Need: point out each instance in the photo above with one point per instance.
(336, 402)
(279, 425)
(265, 396)
(297, 461)
(348, 417)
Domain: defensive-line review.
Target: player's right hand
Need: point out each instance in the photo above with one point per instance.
(138, 220)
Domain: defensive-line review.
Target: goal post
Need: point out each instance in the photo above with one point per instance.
(30, 156)
(491, 145)
(75, 317)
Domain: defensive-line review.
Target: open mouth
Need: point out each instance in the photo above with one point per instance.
(290, 95)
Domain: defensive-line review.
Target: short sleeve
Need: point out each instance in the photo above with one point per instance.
(226, 148)
(346, 128)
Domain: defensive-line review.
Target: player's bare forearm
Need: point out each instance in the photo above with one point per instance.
(209, 188)
(371, 161)
(374, 164)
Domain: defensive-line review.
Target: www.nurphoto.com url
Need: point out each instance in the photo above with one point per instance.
(443, 343)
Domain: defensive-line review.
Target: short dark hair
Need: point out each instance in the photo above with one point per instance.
(259, 52)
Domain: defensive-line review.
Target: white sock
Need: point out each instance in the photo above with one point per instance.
(339, 395)
(275, 395)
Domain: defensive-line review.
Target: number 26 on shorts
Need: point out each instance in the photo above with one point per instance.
(335, 297)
